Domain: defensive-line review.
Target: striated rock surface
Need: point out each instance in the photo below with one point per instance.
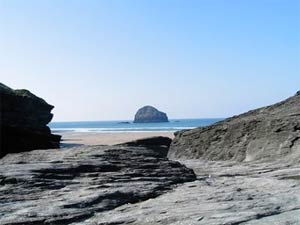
(149, 114)
(23, 122)
(135, 184)
(225, 193)
(73, 185)
(268, 133)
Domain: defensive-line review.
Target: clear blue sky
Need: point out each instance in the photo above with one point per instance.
(103, 59)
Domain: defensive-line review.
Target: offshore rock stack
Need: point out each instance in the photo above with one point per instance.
(149, 114)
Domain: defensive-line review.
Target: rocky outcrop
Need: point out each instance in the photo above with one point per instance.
(72, 185)
(225, 193)
(149, 114)
(159, 144)
(23, 122)
(263, 134)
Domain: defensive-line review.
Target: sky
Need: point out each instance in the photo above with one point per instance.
(104, 59)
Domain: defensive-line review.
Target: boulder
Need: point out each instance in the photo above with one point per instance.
(149, 114)
(267, 133)
(23, 122)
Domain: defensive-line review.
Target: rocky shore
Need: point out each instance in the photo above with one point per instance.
(241, 171)
(225, 193)
(137, 186)
(72, 185)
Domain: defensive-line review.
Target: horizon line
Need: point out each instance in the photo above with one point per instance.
(128, 120)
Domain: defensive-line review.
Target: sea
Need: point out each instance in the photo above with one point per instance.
(128, 126)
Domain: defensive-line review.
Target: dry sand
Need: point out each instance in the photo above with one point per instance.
(93, 138)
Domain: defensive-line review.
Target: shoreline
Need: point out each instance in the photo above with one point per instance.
(107, 138)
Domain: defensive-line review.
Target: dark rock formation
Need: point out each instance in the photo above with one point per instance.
(149, 114)
(159, 144)
(267, 133)
(71, 185)
(150, 142)
(23, 122)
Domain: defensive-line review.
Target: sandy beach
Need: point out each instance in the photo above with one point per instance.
(97, 138)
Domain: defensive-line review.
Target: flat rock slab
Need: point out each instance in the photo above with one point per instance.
(73, 185)
(225, 193)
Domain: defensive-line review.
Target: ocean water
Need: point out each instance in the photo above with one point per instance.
(129, 126)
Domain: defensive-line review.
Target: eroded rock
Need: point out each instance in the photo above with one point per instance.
(267, 133)
(158, 144)
(23, 122)
(71, 185)
(225, 193)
